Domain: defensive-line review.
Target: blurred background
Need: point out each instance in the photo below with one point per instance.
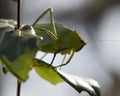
(97, 21)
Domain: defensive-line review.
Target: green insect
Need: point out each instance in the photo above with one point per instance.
(59, 39)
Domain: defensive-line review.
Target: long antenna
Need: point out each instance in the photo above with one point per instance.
(18, 14)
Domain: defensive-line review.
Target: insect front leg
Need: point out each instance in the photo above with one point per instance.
(50, 10)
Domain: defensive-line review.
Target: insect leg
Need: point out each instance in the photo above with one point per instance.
(56, 54)
(69, 59)
(64, 59)
(43, 56)
(53, 58)
(51, 19)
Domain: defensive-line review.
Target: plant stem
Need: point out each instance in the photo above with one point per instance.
(18, 88)
(18, 26)
(18, 14)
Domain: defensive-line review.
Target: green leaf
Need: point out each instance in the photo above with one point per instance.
(17, 53)
(12, 46)
(81, 84)
(47, 72)
(4, 31)
(21, 66)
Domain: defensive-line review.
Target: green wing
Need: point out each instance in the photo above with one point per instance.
(67, 39)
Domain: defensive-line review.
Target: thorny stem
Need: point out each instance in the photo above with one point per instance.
(18, 88)
(18, 14)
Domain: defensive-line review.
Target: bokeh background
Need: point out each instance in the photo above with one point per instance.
(97, 21)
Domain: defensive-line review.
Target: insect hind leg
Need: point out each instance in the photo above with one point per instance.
(51, 19)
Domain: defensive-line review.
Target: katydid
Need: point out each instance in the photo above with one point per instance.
(67, 41)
